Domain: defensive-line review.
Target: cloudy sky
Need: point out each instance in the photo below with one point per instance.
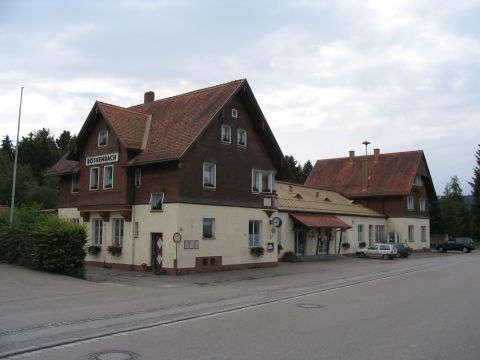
(404, 75)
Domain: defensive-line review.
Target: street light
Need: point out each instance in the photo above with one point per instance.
(366, 143)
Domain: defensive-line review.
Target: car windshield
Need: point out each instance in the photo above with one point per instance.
(399, 246)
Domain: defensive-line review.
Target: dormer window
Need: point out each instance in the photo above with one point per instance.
(234, 113)
(226, 134)
(242, 137)
(103, 138)
(418, 180)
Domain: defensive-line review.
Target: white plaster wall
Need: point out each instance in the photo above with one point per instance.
(352, 234)
(400, 225)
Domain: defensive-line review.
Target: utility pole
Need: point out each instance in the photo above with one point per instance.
(12, 203)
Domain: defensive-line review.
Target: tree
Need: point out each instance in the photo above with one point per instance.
(7, 147)
(307, 168)
(295, 167)
(454, 213)
(64, 141)
(475, 209)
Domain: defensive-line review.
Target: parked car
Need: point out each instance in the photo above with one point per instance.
(384, 251)
(464, 244)
(403, 250)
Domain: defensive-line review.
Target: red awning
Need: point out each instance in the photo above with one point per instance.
(320, 221)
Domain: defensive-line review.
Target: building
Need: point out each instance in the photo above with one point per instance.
(321, 222)
(397, 185)
(182, 184)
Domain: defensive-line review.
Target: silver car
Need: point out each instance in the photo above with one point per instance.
(384, 251)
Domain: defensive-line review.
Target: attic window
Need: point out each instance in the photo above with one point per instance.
(298, 196)
(418, 180)
(226, 134)
(327, 200)
(102, 137)
(234, 113)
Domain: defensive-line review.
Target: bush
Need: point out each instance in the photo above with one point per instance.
(362, 244)
(44, 242)
(346, 246)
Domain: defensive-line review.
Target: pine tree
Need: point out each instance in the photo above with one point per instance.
(475, 209)
(7, 147)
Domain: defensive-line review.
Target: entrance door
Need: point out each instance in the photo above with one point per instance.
(323, 240)
(300, 237)
(157, 252)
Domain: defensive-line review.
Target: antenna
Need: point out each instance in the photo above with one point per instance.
(366, 143)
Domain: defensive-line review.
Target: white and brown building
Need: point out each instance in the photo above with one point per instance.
(198, 167)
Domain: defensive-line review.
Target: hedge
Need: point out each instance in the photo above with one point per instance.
(43, 242)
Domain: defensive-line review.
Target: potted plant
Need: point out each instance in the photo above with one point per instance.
(94, 250)
(346, 246)
(290, 256)
(362, 244)
(115, 249)
(257, 251)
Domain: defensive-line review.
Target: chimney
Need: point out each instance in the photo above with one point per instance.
(376, 155)
(351, 154)
(149, 97)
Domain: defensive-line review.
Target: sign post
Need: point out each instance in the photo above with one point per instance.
(177, 237)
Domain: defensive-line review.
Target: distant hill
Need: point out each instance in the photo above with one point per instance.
(468, 199)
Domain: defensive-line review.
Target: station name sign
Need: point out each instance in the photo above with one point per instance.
(101, 159)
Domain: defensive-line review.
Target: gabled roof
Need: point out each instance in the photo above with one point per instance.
(63, 167)
(314, 201)
(389, 174)
(164, 130)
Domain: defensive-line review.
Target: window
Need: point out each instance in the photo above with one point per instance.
(94, 174)
(74, 183)
(344, 236)
(117, 232)
(208, 228)
(97, 231)
(423, 234)
(226, 134)
(156, 201)
(234, 113)
(422, 204)
(379, 233)
(254, 233)
(209, 175)
(360, 233)
(262, 181)
(108, 177)
(418, 180)
(138, 177)
(103, 138)
(242, 137)
(410, 233)
(370, 234)
(74, 220)
(410, 205)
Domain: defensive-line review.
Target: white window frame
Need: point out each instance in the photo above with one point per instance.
(75, 180)
(212, 177)
(255, 238)
(97, 231)
(226, 134)
(361, 234)
(138, 177)
(423, 233)
(379, 235)
(410, 202)
(418, 180)
(118, 230)
(238, 137)
(98, 178)
(422, 204)
(152, 201)
(234, 113)
(135, 229)
(344, 236)
(411, 233)
(100, 136)
(257, 177)
(212, 223)
(105, 177)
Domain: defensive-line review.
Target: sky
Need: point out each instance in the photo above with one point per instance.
(328, 75)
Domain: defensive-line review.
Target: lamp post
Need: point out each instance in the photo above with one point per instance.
(366, 143)
(12, 202)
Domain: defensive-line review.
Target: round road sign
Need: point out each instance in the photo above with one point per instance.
(177, 237)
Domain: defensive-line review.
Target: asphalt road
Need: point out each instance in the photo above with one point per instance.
(424, 307)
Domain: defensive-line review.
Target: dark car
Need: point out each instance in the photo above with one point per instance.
(464, 244)
(403, 250)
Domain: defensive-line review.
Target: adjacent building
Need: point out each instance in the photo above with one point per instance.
(397, 185)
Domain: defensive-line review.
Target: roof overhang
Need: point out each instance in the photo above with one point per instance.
(320, 221)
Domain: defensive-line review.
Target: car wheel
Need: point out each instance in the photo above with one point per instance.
(440, 250)
(386, 257)
(465, 250)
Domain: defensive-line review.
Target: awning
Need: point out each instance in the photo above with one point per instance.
(320, 221)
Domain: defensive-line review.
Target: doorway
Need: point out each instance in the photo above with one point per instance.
(323, 241)
(300, 240)
(157, 252)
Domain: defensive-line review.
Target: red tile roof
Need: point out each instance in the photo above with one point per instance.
(63, 167)
(320, 221)
(392, 174)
